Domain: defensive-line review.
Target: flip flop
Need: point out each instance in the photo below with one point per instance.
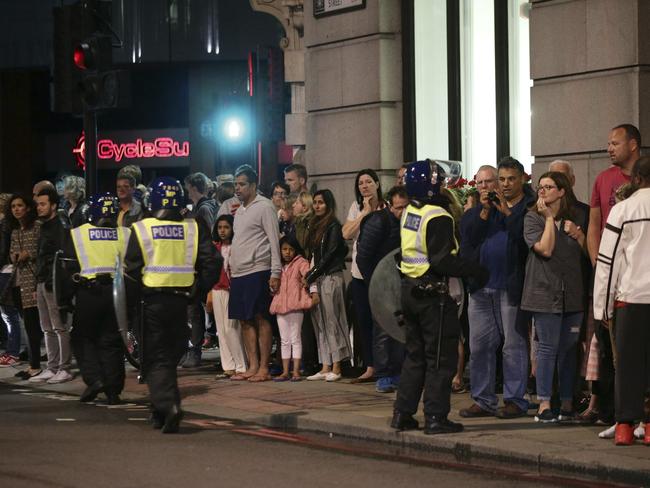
(259, 379)
(458, 388)
(295, 379)
(280, 379)
(239, 377)
(358, 381)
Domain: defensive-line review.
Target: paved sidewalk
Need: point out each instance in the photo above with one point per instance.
(357, 411)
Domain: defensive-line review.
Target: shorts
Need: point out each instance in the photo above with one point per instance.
(249, 296)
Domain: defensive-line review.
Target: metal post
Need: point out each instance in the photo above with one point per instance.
(90, 131)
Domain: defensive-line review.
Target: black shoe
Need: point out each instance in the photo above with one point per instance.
(403, 421)
(113, 398)
(193, 359)
(172, 421)
(157, 420)
(91, 392)
(441, 425)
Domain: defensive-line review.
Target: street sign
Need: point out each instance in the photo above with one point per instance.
(329, 7)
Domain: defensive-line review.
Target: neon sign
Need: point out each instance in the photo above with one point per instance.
(160, 147)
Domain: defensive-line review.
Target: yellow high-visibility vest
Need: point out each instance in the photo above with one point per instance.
(413, 228)
(169, 250)
(97, 248)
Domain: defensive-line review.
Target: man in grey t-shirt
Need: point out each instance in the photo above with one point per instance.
(255, 268)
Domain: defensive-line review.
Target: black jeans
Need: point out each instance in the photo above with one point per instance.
(34, 336)
(364, 319)
(96, 340)
(419, 373)
(165, 338)
(604, 388)
(633, 361)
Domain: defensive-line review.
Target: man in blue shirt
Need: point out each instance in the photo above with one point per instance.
(492, 233)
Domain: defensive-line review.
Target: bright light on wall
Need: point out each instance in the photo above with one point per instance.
(233, 129)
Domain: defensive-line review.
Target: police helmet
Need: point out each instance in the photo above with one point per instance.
(424, 178)
(103, 208)
(165, 193)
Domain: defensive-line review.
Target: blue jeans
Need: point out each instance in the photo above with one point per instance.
(11, 318)
(493, 321)
(557, 336)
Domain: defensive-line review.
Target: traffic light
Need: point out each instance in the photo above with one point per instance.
(100, 87)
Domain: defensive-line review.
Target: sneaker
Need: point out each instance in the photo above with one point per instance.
(193, 359)
(332, 377)
(7, 360)
(61, 377)
(546, 417)
(510, 411)
(317, 377)
(395, 381)
(608, 433)
(384, 385)
(43, 376)
(566, 416)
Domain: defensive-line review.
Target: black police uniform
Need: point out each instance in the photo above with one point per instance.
(165, 328)
(421, 305)
(95, 338)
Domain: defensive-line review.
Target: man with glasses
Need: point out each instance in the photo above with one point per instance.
(492, 234)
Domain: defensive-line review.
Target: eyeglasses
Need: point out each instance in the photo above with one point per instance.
(547, 188)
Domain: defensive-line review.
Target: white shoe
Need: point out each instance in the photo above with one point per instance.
(61, 377)
(317, 377)
(639, 432)
(332, 377)
(43, 376)
(608, 433)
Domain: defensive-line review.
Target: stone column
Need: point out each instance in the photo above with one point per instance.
(353, 72)
(290, 15)
(590, 65)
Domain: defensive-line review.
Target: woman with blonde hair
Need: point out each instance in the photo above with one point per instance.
(303, 211)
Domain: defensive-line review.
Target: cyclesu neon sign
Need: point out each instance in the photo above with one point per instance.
(160, 147)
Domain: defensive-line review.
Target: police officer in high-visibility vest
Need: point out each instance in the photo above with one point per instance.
(428, 257)
(164, 254)
(96, 340)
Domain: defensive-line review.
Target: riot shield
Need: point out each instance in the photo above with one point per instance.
(119, 299)
(385, 296)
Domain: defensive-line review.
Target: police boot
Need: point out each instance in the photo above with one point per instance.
(113, 398)
(91, 392)
(403, 421)
(441, 425)
(172, 420)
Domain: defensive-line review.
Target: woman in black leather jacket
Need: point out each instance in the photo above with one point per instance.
(328, 249)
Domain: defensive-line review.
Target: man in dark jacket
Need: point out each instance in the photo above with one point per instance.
(492, 234)
(130, 209)
(54, 325)
(380, 235)
(204, 211)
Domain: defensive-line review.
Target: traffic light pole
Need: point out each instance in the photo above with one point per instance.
(90, 130)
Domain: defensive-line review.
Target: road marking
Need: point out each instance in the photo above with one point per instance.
(66, 420)
(138, 419)
(21, 390)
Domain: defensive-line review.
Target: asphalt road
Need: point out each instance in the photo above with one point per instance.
(51, 440)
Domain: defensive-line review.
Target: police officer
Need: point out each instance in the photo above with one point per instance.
(96, 340)
(429, 256)
(162, 256)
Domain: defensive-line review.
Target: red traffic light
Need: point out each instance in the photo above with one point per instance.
(80, 55)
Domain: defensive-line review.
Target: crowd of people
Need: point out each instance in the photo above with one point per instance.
(538, 312)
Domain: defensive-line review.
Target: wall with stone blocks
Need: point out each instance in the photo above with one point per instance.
(588, 63)
(353, 94)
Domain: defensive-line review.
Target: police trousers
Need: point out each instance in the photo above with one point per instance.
(165, 336)
(96, 340)
(420, 377)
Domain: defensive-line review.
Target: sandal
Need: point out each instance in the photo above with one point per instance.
(458, 388)
(588, 417)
